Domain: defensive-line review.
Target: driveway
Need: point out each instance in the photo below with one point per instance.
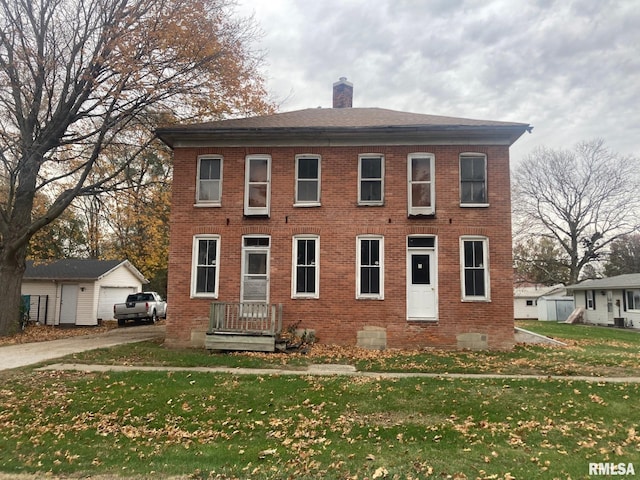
(21, 355)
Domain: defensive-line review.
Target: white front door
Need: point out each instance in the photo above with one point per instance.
(421, 284)
(68, 304)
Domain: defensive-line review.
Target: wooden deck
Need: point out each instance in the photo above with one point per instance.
(244, 326)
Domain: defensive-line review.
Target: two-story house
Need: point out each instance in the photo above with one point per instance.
(362, 222)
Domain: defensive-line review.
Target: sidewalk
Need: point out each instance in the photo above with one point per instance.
(328, 370)
(21, 355)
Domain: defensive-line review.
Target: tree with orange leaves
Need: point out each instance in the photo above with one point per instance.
(77, 75)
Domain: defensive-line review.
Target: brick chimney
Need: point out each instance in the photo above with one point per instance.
(342, 93)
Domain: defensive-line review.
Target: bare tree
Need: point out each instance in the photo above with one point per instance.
(583, 198)
(75, 75)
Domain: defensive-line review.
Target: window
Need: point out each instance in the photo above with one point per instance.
(204, 276)
(421, 188)
(590, 299)
(257, 190)
(633, 299)
(475, 268)
(370, 268)
(307, 180)
(473, 179)
(371, 180)
(209, 187)
(306, 252)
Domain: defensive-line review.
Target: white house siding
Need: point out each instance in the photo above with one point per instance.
(524, 311)
(609, 304)
(30, 287)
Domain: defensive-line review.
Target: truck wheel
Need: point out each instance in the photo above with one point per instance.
(154, 317)
(121, 322)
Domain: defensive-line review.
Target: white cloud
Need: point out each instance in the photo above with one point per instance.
(569, 68)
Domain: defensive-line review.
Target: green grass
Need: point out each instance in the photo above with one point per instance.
(205, 425)
(161, 424)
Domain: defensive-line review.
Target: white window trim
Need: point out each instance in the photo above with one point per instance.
(257, 210)
(486, 179)
(194, 266)
(487, 283)
(370, 202)
(303, 203)
(294, 270)
(208, 203)
(243, 265)
(369, 296)
(421, 210)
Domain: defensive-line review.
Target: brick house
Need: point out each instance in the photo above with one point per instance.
(369, 226)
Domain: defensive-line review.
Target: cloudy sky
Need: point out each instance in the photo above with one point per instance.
(570, 68)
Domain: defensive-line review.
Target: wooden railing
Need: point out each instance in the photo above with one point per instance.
(245, 318)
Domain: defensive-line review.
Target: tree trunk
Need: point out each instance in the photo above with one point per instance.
(11, 273)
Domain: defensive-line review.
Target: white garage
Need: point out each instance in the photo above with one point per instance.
(80, 291)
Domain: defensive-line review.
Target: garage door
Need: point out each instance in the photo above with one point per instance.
(109, 296)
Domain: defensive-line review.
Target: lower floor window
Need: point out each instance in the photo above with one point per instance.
(305, 269)
(370, 268)
(633, 299)
(205, 255)
(475, 268)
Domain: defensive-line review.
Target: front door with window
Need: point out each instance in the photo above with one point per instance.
(421, 279)
(255, 270)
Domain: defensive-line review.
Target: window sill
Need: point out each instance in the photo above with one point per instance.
(207, 205)
(371, 204)
(422, 215)
(305, 297)
(474, 205)
(431, 321)
(204, 296)
(369, 298)
(476, 300)
(307, 204)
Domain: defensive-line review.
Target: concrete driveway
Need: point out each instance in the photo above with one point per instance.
(13, 356)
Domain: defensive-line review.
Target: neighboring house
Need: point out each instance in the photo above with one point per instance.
(364, 223)
(610, 301)
(78, 291)
(539, 302)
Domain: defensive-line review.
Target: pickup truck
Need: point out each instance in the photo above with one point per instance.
(140, 306)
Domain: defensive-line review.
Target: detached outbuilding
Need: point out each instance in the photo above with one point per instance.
(78, 291)
(610, 301)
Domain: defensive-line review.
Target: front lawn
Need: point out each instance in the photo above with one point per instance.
(226, 426)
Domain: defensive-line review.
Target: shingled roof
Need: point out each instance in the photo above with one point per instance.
(75, 269)
(628, 280)
(318, 122)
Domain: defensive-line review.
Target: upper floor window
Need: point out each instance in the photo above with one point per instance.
(205, 271)
(306, 268)
(475, 268)
(421, 187)
(257, 188)
(307, 180)
(209, 187)
(371, 179)
(370, 267)
(473, 179)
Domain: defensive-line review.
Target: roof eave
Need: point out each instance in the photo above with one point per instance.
(502, 134)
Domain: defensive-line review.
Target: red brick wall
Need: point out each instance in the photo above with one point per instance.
(337, 315)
